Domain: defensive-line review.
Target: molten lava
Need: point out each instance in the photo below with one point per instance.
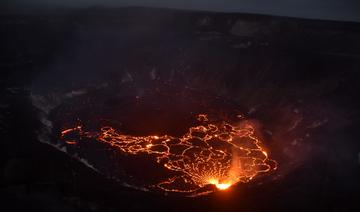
(220, 186)
(220, 154)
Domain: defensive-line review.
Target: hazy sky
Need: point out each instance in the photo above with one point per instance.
(318, 9)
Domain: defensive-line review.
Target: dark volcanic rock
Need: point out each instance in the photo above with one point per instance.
(299, 79)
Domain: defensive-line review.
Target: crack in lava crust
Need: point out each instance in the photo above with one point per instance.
(211, 153)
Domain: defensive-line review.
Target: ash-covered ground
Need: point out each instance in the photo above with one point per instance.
(297, 79)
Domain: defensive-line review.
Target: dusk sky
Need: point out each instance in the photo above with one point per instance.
(315, 9)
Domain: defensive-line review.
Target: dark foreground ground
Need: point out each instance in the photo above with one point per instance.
(298, 78)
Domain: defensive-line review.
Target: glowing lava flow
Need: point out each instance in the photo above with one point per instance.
(218, 154)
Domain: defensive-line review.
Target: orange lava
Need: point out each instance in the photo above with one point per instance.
(220, 154)
(220, 186)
